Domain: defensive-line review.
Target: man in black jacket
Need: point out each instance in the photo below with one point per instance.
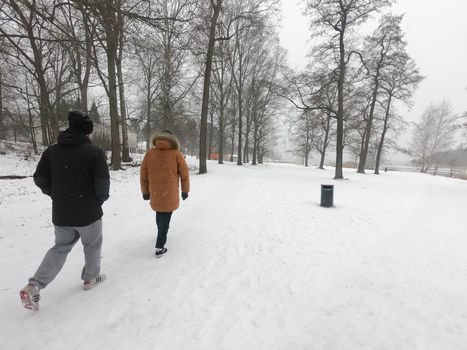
(75, 175)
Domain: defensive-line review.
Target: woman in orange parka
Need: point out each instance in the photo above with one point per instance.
(162, 169)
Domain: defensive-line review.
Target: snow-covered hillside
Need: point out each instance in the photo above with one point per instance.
(253, 262)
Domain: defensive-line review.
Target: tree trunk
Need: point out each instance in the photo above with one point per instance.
(221, 141)
(84, 81)
(309, 139)
(325, 143)
(240, 117)
(240, 127)
(340, 109)
(232, 142)
(44, 113)
(112, 46)
(369, 125)
(121, 88)
(123, 117)
(211, 127)
(221, 128)
(246, 153)
(148, 118)
(87, 72)
(322, 159)
(44, 108)
(260, 149)
(383, 134)
(255, 145)
(2, 124)
(207, 81)
(32, 131)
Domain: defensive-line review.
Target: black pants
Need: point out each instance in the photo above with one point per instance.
(163, 221)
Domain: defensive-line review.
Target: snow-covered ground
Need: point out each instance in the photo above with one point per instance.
(253, 262)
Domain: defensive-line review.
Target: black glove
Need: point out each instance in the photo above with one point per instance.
(184, 195)
(146, 197)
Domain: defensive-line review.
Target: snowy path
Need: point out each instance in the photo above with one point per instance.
(253, 263)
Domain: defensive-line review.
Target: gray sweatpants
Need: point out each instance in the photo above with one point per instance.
(65, 239)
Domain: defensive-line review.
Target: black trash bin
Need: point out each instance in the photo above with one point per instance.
(327, 196)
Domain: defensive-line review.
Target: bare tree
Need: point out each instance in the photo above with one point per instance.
(325, 117)
(398, 83)
(379, 49)
(105, 14)
(315, 93)
(433, 134)
(216, 8)
(303, 135)
(341, 16)
(323, 136)
(239, 60)
(28, 33)
(222, 95)
(121, 85)
(175, 41)
(146, 53)
(248, 19)
(78, 28)
(264, 106)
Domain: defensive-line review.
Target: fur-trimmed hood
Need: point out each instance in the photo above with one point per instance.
(165, 136)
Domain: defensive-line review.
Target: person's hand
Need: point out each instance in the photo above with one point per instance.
(184, 195)
(146, 196)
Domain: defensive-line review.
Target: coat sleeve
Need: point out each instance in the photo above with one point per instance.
(101, 177)
(183, 173)
(144, 176)
(42, 177)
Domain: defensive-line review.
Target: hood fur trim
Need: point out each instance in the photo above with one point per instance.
(165, 136)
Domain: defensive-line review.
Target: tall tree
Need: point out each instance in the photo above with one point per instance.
(147, 56)
(121, 86)
(222, 95)
(433, 134)
(239, 61)
(106, 14)
(264, 106)
(341, 17)
(303, 135)
(379, 49)
(399, 81)
(215, 11)
(28, 32)
(77, 26)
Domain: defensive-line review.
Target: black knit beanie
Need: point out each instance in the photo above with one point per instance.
(81, 122)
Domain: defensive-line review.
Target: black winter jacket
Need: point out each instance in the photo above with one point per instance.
(75, 175)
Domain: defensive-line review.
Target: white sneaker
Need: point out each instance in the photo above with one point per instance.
(30, 297)
(94, 282)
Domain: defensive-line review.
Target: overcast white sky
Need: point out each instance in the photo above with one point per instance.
(436, 32)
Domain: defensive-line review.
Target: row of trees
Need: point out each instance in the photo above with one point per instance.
(161, 64)
(349, 92)
(349, 89)
(214, 72)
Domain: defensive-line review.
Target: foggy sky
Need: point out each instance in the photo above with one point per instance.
(436, 32)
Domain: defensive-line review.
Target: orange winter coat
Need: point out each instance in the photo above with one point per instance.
(162, 169)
